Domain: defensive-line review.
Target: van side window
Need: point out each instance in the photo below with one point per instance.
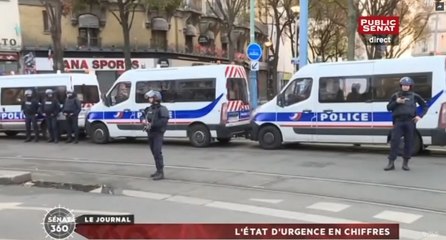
(120, 93)
(87, 93)
(386, 85)
(166, 88)
(237, 89)
(297, 91)
(344, 89)
(12, 96)
(195, 90)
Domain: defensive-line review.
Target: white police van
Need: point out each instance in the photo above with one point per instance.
(345, 102)
(205, 103)
(13, 87)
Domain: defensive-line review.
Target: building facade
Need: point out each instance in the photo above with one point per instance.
(10, 37)
(436, 42)
(92, 39)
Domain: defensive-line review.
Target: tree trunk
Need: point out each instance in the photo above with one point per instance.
(56, 37)
(231, 47)
(127, 48)
(351, 29)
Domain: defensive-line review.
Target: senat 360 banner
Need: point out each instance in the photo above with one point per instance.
(238, 231)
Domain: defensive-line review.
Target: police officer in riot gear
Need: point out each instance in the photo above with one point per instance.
(50, 109)
(405, 116)
(155, 120)
(30, 108)
(71, 110)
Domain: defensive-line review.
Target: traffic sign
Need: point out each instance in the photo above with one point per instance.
(255, 65)
(254, 51)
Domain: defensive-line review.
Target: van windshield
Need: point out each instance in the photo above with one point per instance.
(87, 93)
(237, 89)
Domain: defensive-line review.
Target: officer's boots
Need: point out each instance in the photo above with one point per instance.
(158, 175)
(406, 165)
(390, 166)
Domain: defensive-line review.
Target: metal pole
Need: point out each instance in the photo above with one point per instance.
(252, 74)
(297, 42)
(303, 33)
(436, 33)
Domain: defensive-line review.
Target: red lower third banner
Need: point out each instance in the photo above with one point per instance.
(239, 231)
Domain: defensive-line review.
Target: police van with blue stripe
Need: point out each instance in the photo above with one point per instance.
(205, 103)
(12, 94)
(345, 102)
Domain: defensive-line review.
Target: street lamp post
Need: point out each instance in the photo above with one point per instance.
(303, 33)
(252, 74)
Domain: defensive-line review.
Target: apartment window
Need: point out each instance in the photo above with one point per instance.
(159, 40)
(88, 31)
(46, 21)
(189, 44)
(386, 85)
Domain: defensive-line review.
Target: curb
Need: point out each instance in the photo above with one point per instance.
(14, 177)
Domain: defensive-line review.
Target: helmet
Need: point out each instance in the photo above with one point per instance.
(48, 91)
(406, 81)
(28, 92)
(153, 94)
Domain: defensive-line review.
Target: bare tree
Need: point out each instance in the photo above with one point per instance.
(124, 13)
(327, 33)
(228, 11)
(56, 9)
(413, 24)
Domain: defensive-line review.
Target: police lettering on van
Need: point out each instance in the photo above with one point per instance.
(344, 117)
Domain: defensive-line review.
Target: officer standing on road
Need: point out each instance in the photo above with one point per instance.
(71, 110)
(155, 120)
(404, 112)
(30, 108)
(50, 109)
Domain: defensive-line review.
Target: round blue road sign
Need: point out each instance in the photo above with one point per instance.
(254, 51)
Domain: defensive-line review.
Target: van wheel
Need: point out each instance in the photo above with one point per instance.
(99, 133)
(199, 135)
(224, 140)
(417, 146)
(11, 133)
(270, 137)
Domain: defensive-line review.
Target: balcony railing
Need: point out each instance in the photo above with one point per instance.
(89, 42)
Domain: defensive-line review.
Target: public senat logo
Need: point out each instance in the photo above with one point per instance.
(59, 223)
(383, 29)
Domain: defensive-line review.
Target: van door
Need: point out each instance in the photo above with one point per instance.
(345, 109)
(295, 112)
(11, 117)
(238, 107)
(121, 116)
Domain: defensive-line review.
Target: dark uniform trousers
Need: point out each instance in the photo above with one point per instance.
(72, 127)
(156, 143)
(51, 122)
(406, 129)
(31, 119)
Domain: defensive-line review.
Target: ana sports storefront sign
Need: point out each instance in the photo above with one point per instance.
(96, 64)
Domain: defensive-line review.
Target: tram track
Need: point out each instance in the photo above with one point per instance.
(215, 183)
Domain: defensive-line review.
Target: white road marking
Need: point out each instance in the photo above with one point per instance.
(398, 216)
(16, 206)
(265, 200)
(329, 206)
(189, 200)
(299, 216)
(149, 195)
